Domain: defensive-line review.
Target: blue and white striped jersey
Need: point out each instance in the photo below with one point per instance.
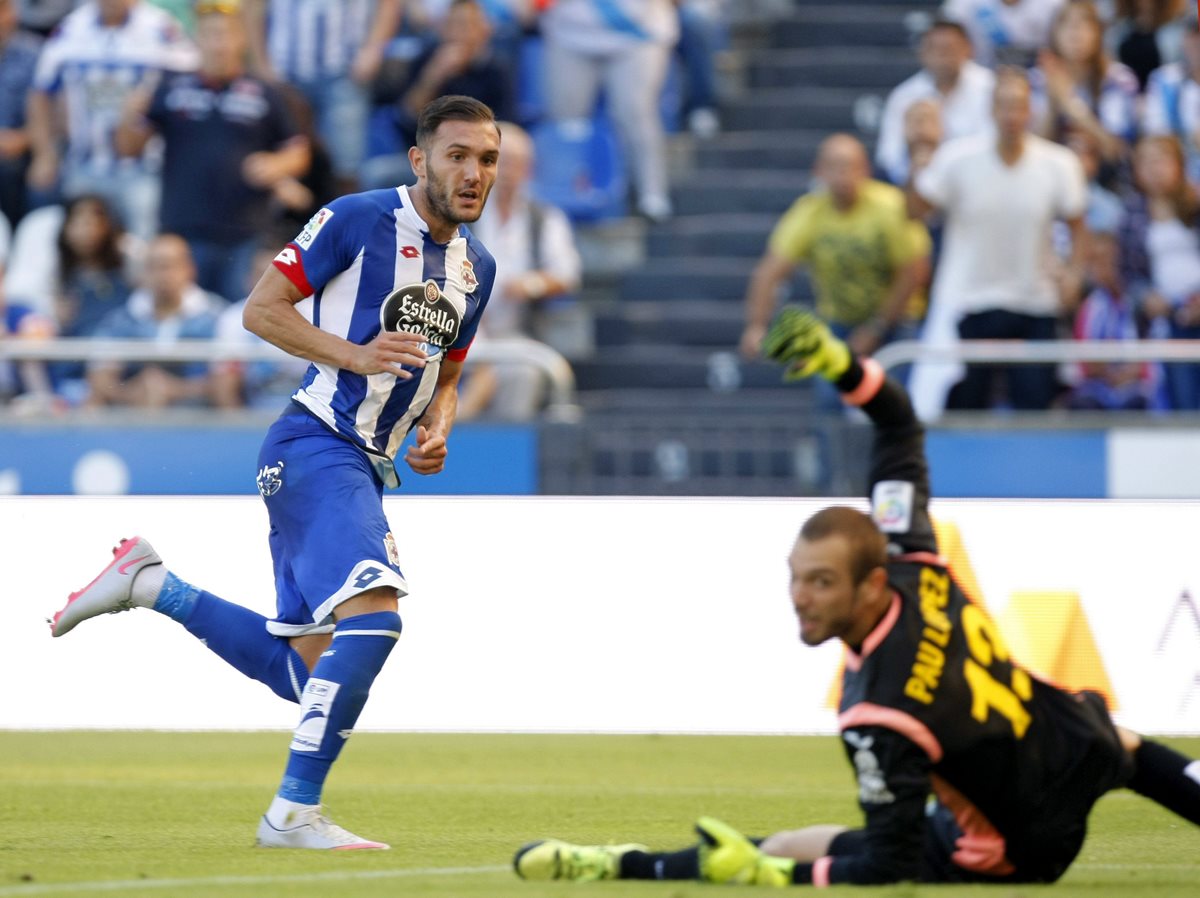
(96, 68)
(308, 40)
(369, 263)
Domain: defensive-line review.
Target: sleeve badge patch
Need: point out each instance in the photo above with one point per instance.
(306, 237)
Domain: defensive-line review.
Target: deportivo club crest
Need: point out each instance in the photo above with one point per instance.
(270, 479)
(470, 282)
(422, 309)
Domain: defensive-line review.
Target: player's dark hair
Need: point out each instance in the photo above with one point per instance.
(868, 546)
(450, 108)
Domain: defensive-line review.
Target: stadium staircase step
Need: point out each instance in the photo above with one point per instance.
(702, 236)
(829, 67)
(671, 278)
(658, 367)
(866, 26)
(685, 322)
(726, 191)
(796, 149)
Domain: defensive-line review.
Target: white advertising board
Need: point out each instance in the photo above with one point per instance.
(570, 614)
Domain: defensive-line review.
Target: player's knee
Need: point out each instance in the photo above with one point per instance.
(806, 844)
(382, 598)
(1130, 741)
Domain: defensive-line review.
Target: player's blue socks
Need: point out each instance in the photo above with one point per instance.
(237, 634)
(333, 699)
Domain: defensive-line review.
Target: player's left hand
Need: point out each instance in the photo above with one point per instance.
(428, 454)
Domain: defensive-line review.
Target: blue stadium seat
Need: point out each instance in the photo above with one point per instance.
(531, 96)
(580, 169)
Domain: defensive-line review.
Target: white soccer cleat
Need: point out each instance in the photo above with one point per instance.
(308, 828)
(111, 591)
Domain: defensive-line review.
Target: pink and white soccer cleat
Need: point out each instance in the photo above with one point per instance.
(309, 828)
(111, 591)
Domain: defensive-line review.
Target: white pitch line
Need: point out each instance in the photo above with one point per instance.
(119, 885)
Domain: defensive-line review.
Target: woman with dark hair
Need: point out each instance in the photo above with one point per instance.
(1146, 34)
(1077, 86)
(92, 278)
(1160, 251)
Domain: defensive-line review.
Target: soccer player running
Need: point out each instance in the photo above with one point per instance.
(931, 701)
(399, 286)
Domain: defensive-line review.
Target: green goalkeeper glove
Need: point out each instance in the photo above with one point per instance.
(804, 343)
(726, 856)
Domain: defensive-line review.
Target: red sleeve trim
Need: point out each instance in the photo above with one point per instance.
(873, 378)
(291, 266)
(867, 714)
(820, 873)
(459, 355)
(854, 660)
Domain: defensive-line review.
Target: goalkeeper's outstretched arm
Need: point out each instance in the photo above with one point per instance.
(899, 475)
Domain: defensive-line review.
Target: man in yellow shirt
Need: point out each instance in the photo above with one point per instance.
(868, 262)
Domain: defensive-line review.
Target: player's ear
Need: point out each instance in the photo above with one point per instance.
(416, 158)
(877, 578)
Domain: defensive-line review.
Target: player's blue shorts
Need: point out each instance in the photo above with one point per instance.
(329, 537)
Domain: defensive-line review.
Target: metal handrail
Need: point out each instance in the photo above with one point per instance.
(1033, 352)
(547, 360)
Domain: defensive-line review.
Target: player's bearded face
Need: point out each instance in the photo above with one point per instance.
(458, 179)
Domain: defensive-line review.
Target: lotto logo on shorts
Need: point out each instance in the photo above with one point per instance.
(270, 479)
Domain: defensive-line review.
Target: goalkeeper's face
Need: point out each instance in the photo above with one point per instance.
(829, 602)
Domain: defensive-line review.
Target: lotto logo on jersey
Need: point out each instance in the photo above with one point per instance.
(306, 237)
(892, 505)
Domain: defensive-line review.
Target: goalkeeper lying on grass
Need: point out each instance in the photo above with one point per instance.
(931, 703)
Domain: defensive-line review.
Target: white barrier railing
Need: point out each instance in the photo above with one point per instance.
(550, 362)
(1033, 352)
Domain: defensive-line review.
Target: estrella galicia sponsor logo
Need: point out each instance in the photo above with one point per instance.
(270, 479)
(422, 309)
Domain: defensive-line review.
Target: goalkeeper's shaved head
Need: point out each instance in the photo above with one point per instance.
(868, 546)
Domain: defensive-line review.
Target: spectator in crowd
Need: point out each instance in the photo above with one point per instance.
(1104, 208)
(18, 59)
(100, 55)
(331, 52)
(1161, 254)
(1005, 32)
(1172, 101)
(460, 61)
(922, 133)
(42, 16)
(622, 47)
(1000, 197)
(228, 140)
(960, 86)
(1146, 35)
(1107, 313)
(255, 384)
(1077, 86)
(26, 380)
(701, 24)
(864, 256)
(93, 280)
(536, 263)
(170, 307)
(298, 199)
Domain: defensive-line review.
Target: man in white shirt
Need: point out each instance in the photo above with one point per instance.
(1005, 31)
(98, 56)
(998, 272)
(536, 262)
(961, 87)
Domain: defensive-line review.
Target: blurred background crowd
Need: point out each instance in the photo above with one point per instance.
(671, 170)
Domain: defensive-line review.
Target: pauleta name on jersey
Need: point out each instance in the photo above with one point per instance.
(934, 593)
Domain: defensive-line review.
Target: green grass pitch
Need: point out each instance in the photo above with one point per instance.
(173, 814)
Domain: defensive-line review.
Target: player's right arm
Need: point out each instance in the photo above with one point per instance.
(270, 313)
(899, 474)
(893, 784)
